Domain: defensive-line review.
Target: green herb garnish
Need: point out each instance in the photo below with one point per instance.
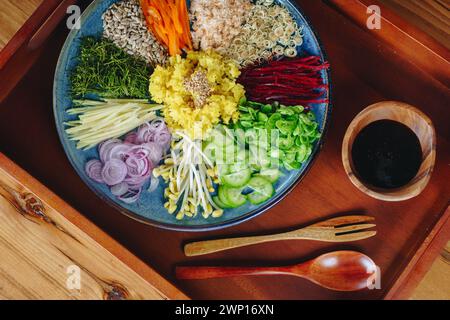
(297, 129)
(109, 72)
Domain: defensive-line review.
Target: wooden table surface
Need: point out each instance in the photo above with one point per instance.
(13, 15)
(432, 16)
(436, 283)
(363, 72)
(44, 255)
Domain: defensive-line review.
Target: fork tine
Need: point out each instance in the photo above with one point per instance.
(355, 236)
(345, 220)
(355, 227)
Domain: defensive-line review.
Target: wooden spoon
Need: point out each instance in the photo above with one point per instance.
(338, 270)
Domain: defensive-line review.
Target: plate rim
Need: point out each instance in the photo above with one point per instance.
(212, 226)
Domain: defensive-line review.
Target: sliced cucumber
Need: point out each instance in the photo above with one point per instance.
(221, 138)
(237, 179)
(222, 205)
(226, 154)
(230, 153)
(231, 197)
(224, 169)
(259, 159)
(270, 174)
(210, 151)
(237, 166)
(222, 197)
(242, 156)
(262, 190)
(240, 136)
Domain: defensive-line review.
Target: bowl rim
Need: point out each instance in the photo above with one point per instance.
(212, 226)
(380, 193)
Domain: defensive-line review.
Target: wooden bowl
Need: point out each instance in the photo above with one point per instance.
(418, 122)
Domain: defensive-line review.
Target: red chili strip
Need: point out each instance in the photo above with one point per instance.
(288, 81)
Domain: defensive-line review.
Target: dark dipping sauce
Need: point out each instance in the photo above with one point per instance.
(386, 154)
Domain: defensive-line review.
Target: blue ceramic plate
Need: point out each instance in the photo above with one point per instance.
(150, 208)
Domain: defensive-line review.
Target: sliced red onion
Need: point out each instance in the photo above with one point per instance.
(158, 124)
(105, 148)
(126, 166)
(138, 151)
(114, 172)
(155, 152)
(138, 167)
(131, 196)
(119, 152)
(139, 170)
(145, 133)
(148, 131)
(94, 170)
(163, 138)
(131, 138)
(120, 189)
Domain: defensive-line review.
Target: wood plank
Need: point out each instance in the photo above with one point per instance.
(432, 16)
(436, 283)
(39, 244)
(407, 40)
(13, 15)
(423, 258)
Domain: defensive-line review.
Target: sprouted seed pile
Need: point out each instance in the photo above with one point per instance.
(269, 31)
(124, 24)
(107, 71)
(189, 174)
(217, 22)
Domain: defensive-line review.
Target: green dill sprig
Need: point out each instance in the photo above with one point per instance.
(109, 72)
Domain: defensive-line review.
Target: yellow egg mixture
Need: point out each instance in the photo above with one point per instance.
(197, 92)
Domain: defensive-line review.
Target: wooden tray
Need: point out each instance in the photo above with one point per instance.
(367, 67)
(45, 244)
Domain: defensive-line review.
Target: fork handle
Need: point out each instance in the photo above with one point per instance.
(211, 246)
(224, 272)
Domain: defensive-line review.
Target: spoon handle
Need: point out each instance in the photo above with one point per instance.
(224, 272)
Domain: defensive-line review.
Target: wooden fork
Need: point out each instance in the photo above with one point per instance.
(341, 229)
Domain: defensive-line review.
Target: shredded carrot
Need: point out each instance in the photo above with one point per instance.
(187, 25)
(176, 18)
(145, 7)
(154, 14)
(168, 20)
(161, 34)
